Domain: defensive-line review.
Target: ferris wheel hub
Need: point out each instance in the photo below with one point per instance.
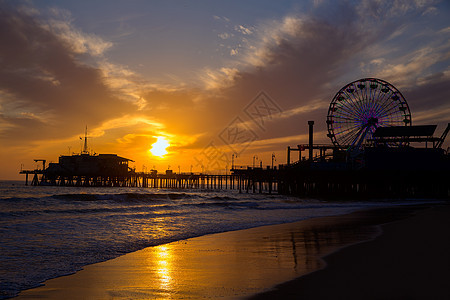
(372, 121)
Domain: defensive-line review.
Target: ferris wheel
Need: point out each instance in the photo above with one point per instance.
(362, 106)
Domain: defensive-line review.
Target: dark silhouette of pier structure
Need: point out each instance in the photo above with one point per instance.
(375, 153)
(152, 179)
(378, 171)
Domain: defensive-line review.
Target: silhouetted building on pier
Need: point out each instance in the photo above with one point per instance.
(103, 165)
(84, 169)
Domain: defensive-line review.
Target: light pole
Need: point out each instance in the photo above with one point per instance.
(254, 157)
(273, 159)
(232, 160)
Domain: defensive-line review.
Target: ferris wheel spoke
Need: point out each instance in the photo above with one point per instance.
(349, 122)
(367, 97)
(349, 108)
(348, 132)
(387, 111)
(345, 105)
(356, 103)
(359, 92)
(385, 106)
(383, 97)
(345, 114)
(376, 97)
(350, 98)
(359, 138)
(391, 117)
(345, 142)
(351, 138)
(379, 99)
(345, 129)
(389, 102)
(343, 123)
(345, 139)
(391, 111)
(390, 120)
(364, 104)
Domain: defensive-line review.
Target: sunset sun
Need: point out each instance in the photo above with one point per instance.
(159, 148)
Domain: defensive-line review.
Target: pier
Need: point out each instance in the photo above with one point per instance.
(375, 152)
(325, 172)
(241, 180)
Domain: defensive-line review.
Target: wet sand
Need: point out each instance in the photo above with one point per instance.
(242, 263)
(410, 260)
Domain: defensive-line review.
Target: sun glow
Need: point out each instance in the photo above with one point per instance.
(159, 148)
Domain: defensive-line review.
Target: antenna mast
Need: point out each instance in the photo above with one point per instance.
(85, 148)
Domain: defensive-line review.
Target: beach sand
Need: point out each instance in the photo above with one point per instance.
(410, 260)
(411, 256)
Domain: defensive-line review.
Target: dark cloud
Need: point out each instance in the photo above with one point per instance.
(299, 68)
(42, 74)
(433, 93)
(430, 100)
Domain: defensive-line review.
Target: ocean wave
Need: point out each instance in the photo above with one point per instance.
(120, 197)
(135, 212)
(224, 198)
(63, 229)
(227, 204)
(123, 197)
(19, 199)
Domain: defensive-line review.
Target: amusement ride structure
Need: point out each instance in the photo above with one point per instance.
(375, 150)
(362, 106)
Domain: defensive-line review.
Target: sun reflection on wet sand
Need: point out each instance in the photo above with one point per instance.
(163, 267)
(225, 265)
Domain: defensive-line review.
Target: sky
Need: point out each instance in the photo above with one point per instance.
(219, 81)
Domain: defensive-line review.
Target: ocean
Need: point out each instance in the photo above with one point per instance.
(49, 231)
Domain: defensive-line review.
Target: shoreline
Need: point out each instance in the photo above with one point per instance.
(410, 259)
(233, 264)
